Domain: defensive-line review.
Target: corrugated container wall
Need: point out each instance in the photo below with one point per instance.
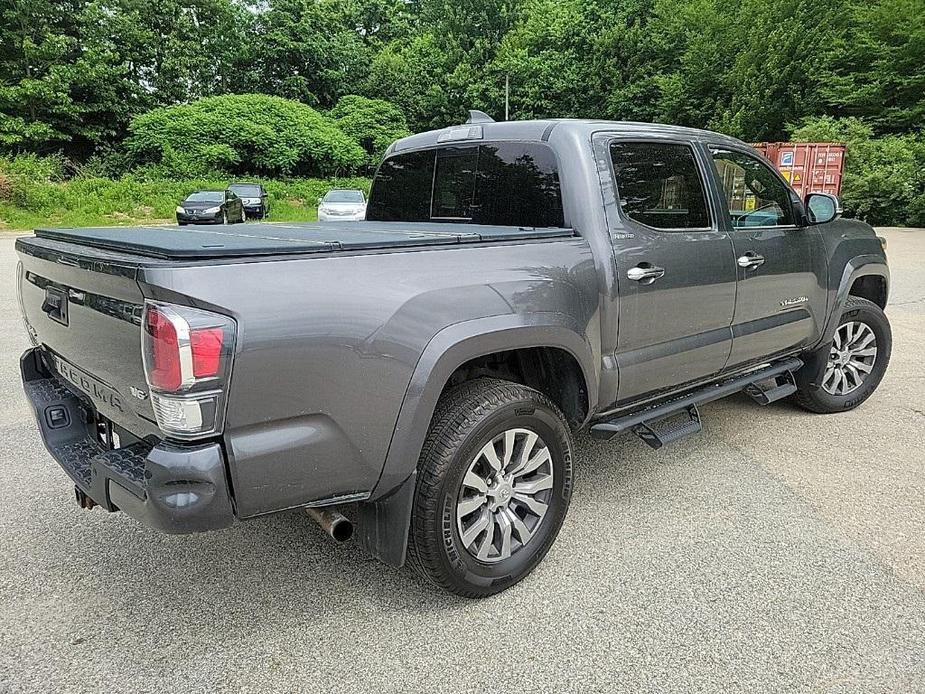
(811, 167)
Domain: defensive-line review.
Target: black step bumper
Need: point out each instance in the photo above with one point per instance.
(173, 488)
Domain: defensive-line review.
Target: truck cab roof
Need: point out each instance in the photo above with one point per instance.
(542, 130)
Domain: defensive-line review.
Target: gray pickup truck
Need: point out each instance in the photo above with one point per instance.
(425, 370)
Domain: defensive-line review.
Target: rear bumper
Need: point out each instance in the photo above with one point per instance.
(173, 488)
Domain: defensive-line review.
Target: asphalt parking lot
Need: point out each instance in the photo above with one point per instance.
(778, 551)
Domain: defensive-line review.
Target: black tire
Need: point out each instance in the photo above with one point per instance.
(812, 396)
(466, 418)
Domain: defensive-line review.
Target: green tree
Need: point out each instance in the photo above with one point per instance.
(373, 123)
(307, 50)
(412, 76)
(62, 81)
(546, 58)
(875, 69)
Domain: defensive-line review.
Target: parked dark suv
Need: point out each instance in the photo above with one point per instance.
(255, 199)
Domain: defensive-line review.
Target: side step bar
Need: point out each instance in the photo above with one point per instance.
(677, 418)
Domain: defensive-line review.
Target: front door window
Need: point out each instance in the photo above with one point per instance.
(755, 196)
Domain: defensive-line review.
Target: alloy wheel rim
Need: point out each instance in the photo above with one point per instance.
(851, 358)
(505, 495)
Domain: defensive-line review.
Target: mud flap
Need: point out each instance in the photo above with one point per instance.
(382, 525)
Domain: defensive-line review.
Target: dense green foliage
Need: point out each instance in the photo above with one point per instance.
(75, 72)
(251, 133)
(117, 84)
(373, 123)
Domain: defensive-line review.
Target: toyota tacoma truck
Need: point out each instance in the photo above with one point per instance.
(427, 369)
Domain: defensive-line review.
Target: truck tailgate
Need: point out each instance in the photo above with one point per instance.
(85, 311)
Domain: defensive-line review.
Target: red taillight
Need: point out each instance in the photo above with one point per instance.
(183, 346)
(206, 344)
(187, 356)
(163, 347)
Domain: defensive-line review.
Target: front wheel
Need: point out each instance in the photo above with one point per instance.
(855, 361)
(494, 483)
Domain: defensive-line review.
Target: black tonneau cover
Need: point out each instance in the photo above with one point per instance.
(286, 238)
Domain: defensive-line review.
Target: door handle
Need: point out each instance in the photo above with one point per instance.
(645, 273)
(751, 261)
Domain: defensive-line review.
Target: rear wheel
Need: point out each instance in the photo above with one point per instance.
(855, 360)
(494, 482)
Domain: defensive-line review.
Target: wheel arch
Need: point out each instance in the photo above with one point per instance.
(383, 521)
(868, 274)
(863, 273)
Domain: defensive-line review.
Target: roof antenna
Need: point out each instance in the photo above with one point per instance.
(479, 117)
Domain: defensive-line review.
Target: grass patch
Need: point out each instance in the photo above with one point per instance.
(28, 203)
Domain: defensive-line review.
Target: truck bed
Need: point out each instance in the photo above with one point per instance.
(267, 238)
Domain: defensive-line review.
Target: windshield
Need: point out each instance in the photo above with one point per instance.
(344, 196)
(206, 196)
(245, 190)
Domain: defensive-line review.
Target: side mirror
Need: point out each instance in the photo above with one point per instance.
(822, 207)
(320, 200)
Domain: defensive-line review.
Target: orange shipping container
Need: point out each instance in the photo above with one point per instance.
(811, 167)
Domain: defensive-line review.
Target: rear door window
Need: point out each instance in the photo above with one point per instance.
(504, 184)
(659, 185)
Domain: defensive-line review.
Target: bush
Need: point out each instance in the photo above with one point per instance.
(884, 178)
(33, 167)
(241, 134)
(373, 123)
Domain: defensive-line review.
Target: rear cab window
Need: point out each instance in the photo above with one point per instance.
(500, 183)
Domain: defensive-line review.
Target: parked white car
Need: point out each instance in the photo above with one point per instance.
(342, 206)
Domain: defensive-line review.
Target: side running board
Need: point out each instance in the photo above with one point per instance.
(679, 417)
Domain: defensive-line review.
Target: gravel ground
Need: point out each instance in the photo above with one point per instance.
(779, 551)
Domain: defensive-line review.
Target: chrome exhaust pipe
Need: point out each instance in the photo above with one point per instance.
(334, 524)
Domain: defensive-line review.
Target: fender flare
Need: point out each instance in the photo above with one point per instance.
(859, 266)
(815, 359)
(384, 519)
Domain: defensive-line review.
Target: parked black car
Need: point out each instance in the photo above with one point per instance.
(210, 207)
(255, 198)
